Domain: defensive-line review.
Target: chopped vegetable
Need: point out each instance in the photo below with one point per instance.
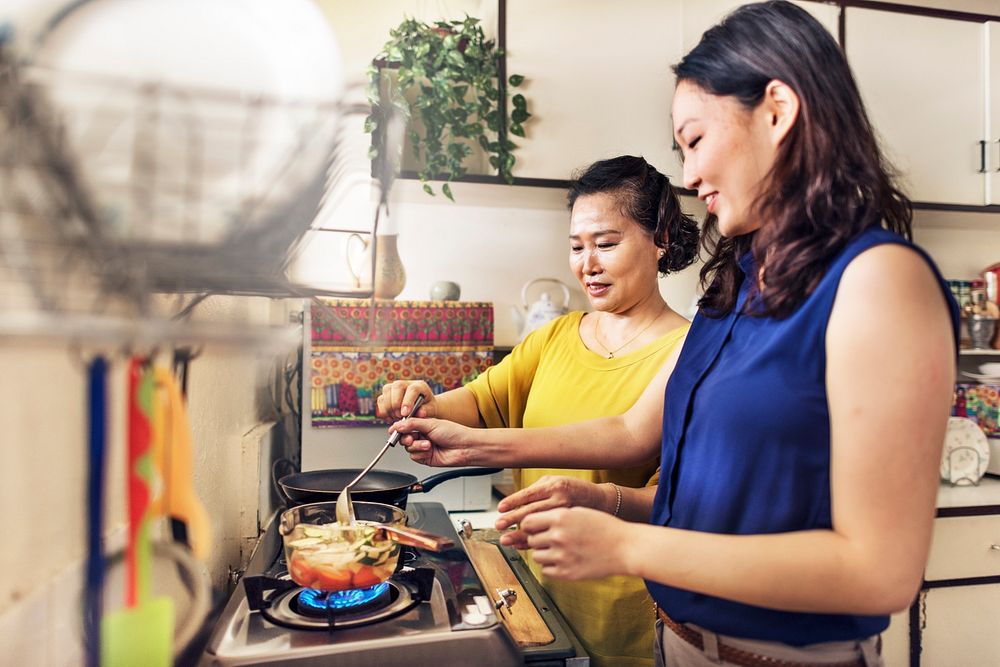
(333, 557)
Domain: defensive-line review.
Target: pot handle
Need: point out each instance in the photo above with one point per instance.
(276, 475)
(432, 481)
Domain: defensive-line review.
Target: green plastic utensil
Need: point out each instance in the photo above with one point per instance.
(142, 633)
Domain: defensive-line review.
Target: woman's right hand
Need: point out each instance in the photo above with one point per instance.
(397, 399)
(436, 442)
(549, 492)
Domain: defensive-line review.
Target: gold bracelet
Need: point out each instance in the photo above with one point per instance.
(618, 500)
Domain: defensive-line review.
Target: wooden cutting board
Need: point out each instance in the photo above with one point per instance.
(522, 619)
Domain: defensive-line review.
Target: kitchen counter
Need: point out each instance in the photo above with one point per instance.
(981, 499)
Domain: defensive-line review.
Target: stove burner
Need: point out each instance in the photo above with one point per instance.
(283, 603)
(314, 602)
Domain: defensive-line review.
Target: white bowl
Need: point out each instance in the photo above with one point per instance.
(992, 369)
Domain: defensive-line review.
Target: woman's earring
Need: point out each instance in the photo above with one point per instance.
(662, 252)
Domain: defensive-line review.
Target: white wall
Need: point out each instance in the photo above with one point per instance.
(43, 479)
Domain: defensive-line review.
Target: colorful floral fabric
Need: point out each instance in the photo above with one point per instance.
(358, 346)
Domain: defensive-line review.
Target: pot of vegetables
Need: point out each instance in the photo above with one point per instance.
(329, 556)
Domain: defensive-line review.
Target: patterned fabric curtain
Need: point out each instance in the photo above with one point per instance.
(445, 343)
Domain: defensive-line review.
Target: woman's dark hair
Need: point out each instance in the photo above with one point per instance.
(644, 195)
(829, 180)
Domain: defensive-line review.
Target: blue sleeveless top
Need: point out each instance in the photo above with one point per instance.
(746, 446)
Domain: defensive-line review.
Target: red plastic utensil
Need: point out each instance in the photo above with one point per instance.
(139, 472)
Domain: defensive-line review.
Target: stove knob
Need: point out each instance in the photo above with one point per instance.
(473, 616)
(508, 596)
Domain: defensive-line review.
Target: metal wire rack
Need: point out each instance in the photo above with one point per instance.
(115, 193)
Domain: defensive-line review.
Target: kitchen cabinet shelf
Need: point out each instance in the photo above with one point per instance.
(945, 623)
(970, 352)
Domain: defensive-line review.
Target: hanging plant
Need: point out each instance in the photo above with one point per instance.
(449, 72)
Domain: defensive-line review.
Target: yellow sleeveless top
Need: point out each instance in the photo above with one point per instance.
(551, 378)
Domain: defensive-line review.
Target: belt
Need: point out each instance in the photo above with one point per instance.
(738, 656)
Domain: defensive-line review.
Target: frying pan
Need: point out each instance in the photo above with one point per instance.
(378, 486)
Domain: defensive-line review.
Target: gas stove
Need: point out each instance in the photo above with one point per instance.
(433, 611)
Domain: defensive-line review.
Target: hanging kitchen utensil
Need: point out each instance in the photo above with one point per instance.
(97, 390)
(178, 501)
(141, 633)
(345, 511)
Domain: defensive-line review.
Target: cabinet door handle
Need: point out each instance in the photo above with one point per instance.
(982, 156)
(995, 547)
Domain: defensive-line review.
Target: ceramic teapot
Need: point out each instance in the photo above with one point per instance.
(530, 317)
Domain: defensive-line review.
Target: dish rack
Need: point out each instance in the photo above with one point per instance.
(111, 230)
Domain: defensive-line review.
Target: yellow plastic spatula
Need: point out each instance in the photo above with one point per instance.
(142, 633)
(179, 500)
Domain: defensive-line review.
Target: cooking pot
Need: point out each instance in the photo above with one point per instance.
(378, 486)
(327, 556)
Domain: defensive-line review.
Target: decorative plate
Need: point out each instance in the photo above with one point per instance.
(966, 452)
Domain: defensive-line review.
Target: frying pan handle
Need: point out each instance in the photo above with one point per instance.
(434, 480)
(276, 475)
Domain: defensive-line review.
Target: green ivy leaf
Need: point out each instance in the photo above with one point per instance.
(449, 73)
(519, 115)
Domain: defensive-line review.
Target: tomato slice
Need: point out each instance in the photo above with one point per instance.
(333, 581)
(366, 576)
(301, 573)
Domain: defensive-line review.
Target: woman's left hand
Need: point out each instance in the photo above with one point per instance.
(549, 492)
(579, 543)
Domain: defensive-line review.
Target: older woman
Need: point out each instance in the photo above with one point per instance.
(795, 507)
(626, 228)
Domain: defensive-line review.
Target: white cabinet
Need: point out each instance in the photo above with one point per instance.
(956, 617)
(598, 80)
(699, 15)
(922, 80)
(965, 547)
(993, 130)
(961, 626)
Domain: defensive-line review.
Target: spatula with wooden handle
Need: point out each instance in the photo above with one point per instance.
(345, 509)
